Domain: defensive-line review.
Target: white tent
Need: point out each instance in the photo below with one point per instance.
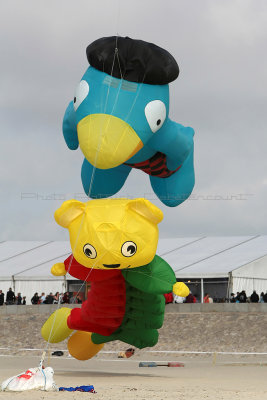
(242, 260)
(25, 267)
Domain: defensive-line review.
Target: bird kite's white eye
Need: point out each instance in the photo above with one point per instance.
(89, 251)
(128, 249)
(155, 112)
(80, 94)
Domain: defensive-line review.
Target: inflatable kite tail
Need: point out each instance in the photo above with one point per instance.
(56, 329)
(82, 347)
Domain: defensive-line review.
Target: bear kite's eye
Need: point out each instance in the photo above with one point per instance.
(80, 94)
(128, 249)
(155, 112)
(89, 251)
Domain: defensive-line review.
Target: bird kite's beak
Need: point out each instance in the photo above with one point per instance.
(107, 141)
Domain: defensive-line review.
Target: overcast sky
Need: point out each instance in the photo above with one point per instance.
(220, 46)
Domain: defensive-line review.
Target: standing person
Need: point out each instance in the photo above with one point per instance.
(66, 298)
(254, 298)
(50, 298)
(265, 297)
(190, 298)
(24, 300)
(262, 297)
(19, 299)
(2, 298)
(168, 297)
(206, 298)
(35, 298)
(10, 297)
(42, 298)
(242, 297)
(232, 298)
(79, 299)
(56, 298)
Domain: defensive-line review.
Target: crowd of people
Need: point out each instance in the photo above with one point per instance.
(11, 298)
(67, 298)
(191, 298)
(57, 298)
(241, 297)
(173, 298)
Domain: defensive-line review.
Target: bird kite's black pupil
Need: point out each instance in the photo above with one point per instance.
(158, 121)
(131, 249)
(88, 252)
(74, 100)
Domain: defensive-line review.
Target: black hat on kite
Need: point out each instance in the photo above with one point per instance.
(133, 60)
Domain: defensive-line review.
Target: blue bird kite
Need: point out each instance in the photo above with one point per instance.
(119, 118)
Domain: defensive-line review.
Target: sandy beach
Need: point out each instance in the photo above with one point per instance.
(123, 379)
(230, 378)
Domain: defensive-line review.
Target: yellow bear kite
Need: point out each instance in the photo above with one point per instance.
(114, 244)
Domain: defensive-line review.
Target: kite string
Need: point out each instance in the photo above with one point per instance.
(94, 167)
(84, 213)
(93, 172)
(116, 54)
(118, 17)
(134, 270)
(96, 157)
(95, 161)
(62, 322)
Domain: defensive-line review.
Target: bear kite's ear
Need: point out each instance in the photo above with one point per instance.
(146, 209)
(68, 211)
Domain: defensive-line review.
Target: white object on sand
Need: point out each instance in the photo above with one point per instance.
(33, 378)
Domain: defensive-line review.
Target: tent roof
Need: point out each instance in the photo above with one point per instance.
(190, 257)
(31, 260)
(208, 257)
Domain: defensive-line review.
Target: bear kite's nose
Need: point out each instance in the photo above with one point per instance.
(106, 227)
